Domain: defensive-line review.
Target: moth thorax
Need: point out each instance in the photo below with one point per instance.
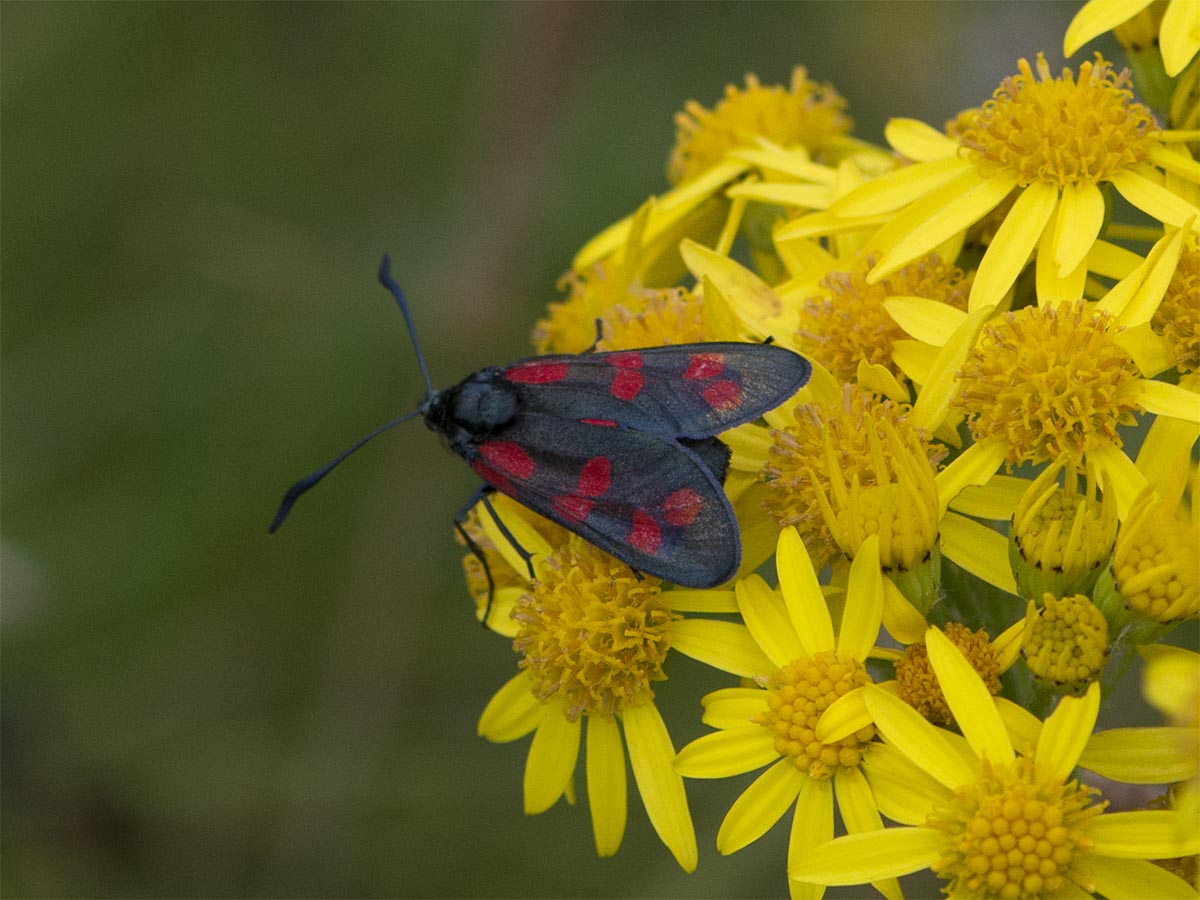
(483, 407)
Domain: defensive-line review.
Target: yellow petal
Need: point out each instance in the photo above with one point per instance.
(938, 217)
(925, 745)
(551, 760)
(857, 806)
(880, 380)
(760, 806)
(725, 753)
(512, 712)
(651, 756)
(1008, 647)
(916, 140)
(903, 792)
(933, 404)
(1143, 834)
(997, 499)
(1134, 299)
(969, 699)
(1164, 399)
(1179, 35)
(668, 210)
(976, 466)
(1066, 733)
(1023, 727)
(706, 601)
(864, 603)
(1127, 481)
(1052, 286)
(1133, 879)
(845, 715)
(896, 189)
(733, 707)
(1112, 261)
(915, 359)
(727, 646)
(1097, 17)
(785, 162)
(781, 193)
(978, 549)
(1167, 441)
(606, 783)
(1080, 215)
(812, 826)
(802, 594)
(765, 615)
(1153, 199)
(1141, 755)
(902, 620)
(1015, 239)
(752, 299)
(926, 320)
(870, 856)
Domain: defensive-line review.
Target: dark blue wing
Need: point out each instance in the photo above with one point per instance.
(646, 499)
(685, 390)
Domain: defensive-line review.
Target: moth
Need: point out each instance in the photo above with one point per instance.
(620, 447)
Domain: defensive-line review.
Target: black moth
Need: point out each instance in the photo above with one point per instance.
(618, 447)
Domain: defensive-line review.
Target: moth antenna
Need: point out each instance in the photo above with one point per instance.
(385, 278)
(297, 490)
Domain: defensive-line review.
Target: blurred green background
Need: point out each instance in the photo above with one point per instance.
(195, 198)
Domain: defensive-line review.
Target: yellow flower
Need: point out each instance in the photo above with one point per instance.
(1177, 318)
(1041, 383)
(801, 667)
(1065, 642)
(1059, 539)
(1178, 30)
(849, 441)
(806, 113)
(592, 638)
(1053, 142)
(988, 821)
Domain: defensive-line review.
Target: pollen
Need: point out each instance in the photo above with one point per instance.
(1060, 131)
(658, 318)
(847, 322)
(1065, 643)
(797, 696)
(806, 114)
(919, 686)
(1011, 834)
(1048, 382)
(1156, 562)
(1060, 539)
(591, 633)
(1177, 318)
(842, 442)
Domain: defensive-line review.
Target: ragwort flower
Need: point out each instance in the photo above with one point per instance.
(592, 637)
(1052, 141)
(990, 822)
(801, 670)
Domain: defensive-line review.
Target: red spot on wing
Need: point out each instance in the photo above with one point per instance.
(508, 457)
(723, 395)
(646, 535)
(571, 507)
(492, 477)
(536, 372)
(604, 423)
(627, 360)
(596, 477)
(704, 365)
(682, 507)
(627, 384)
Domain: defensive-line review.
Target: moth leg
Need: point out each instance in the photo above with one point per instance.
(599, 334)
(459, 518)
(484, 493)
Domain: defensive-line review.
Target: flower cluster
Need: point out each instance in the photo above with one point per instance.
(980, 511)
